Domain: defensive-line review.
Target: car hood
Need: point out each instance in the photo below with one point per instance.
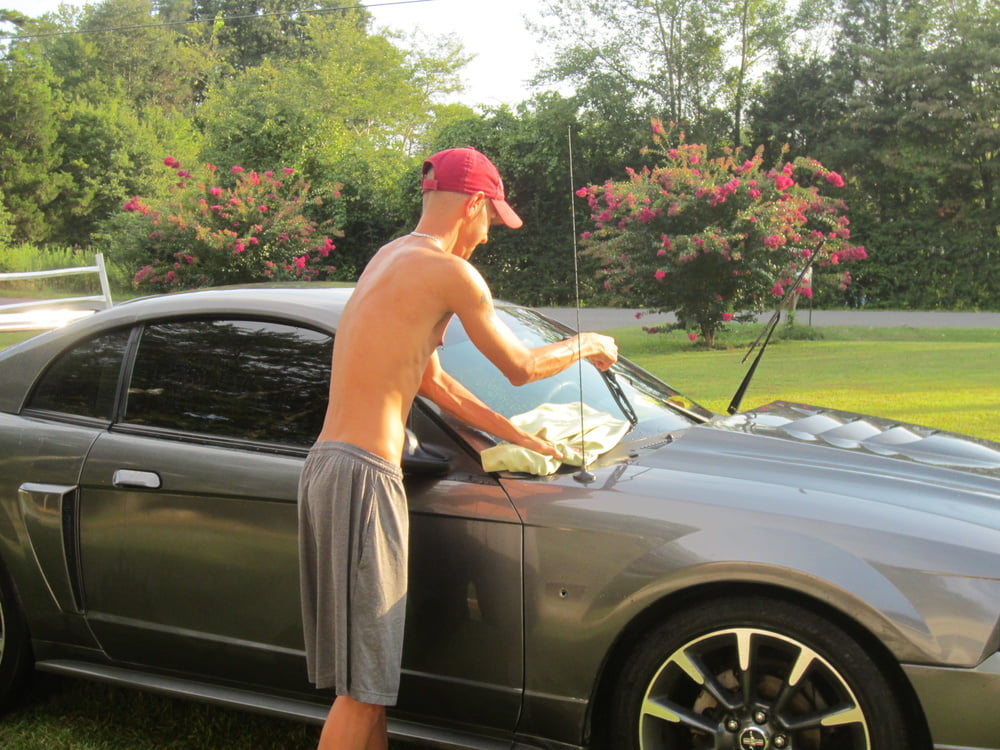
(816, 452)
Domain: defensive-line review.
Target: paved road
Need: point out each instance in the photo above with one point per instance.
(601, 319)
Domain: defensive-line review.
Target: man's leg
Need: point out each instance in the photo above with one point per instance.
(353, 725)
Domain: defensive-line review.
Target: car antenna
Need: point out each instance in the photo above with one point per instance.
(734, 405)
(584, 475)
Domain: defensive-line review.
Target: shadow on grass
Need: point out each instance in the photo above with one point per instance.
(67, 713)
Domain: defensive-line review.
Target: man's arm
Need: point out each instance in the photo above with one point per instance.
(460, 402)
(472, 302)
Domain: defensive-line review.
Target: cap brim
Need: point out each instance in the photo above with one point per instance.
(506, 214)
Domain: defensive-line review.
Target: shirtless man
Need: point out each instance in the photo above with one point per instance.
(351, 496)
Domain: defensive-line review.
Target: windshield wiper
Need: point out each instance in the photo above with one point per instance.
(734, 405)
(620, 398)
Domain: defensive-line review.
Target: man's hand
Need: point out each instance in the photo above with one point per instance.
(539, 445)
(604, 347)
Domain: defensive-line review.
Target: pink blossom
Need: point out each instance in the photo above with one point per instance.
(236, 170)
(288, 171)
(774, 241)
(693, 336)
(727, 316)
(660, 274)
(171, 162)
(754, 193)
(582, 192)
(646, 216)
(778, 290)
(300, 261)
(782, 181)
(834, 179)
(253, 241)
(262, 209)
(661, 252)
(788, 169)
(216, 191)
(657, 127)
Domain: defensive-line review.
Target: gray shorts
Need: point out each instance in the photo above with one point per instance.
(353, 541)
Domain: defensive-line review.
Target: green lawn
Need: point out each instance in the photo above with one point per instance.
(944, 378)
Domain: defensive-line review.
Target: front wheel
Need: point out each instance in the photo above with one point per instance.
(753, 673)
(15, 651)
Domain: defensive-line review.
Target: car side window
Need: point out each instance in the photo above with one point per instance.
(83, 381)
(242, 379)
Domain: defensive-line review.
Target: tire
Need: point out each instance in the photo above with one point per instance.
(751, 673)
(15, 646)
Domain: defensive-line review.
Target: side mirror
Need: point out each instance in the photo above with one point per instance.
(423, 460)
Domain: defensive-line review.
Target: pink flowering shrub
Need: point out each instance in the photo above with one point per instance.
(711, 239)
(253, 228)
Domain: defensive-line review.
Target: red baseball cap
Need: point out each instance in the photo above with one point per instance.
(465, 170)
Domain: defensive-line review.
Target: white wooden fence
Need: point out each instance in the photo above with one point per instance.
(41, 314)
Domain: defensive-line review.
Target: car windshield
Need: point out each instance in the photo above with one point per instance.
(627, 392)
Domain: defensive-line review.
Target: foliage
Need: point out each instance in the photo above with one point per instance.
(907, 104)
(207, 233)
(712, 238)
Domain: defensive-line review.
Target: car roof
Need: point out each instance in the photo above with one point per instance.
(315, 305)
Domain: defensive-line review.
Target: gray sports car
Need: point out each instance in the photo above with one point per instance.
(787, 577)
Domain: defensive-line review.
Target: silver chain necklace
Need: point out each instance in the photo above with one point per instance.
(436, 240)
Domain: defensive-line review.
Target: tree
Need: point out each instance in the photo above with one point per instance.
(30, 152)
(667, 55)
(249, 32)
(234, 228)
(690, 62)
(711, 238)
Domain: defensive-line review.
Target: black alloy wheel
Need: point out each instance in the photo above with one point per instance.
(753, 674)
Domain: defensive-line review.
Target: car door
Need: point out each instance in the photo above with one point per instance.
(189, 528)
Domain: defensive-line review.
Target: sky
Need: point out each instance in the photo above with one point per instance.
(493, 31)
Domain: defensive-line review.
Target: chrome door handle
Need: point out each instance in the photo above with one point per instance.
(148, 480)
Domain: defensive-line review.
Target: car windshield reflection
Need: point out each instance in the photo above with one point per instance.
(627, 392)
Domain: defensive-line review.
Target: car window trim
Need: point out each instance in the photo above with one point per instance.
(180, 436)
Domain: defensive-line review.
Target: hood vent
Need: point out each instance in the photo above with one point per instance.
(844, 430)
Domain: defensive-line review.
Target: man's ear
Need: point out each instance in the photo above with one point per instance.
(474, 204)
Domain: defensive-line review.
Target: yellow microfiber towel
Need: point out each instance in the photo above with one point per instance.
(571, 427)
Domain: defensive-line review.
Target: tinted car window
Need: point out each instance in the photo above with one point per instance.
(243, 379)
(82, 381)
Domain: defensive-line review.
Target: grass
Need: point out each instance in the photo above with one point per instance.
(71, 714)
(944, 378)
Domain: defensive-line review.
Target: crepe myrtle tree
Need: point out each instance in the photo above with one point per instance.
(253, 228)
(713, 239)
